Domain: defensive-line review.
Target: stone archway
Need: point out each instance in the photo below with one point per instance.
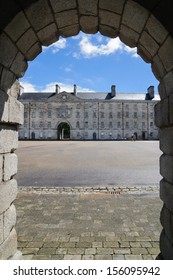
(64, 131)
(41, 22)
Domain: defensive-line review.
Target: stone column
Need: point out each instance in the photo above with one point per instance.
(11, 114)
(164, 120)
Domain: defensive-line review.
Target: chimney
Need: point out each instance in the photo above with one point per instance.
(75, 90)
(113, 91)
(57, 89)
(150, 92)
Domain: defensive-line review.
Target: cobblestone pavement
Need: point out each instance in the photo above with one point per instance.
(88, 223)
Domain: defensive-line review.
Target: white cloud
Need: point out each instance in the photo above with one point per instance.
(89, 49)
(29, 87)
(68, 69)
(132, 51)
(60, 44)
(64, 87)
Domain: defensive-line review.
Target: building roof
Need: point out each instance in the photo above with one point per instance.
(35, 95)
(82, 95)
(42, 96)
(94, 95)
(134, 96)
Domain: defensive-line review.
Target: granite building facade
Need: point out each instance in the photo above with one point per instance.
(88, 116)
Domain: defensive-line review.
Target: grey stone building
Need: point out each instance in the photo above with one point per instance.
(88, 116)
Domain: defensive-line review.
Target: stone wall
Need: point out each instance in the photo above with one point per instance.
(11, 114)
(40, 22)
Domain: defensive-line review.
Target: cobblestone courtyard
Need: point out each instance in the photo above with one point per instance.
(94, 221)
(88, 224)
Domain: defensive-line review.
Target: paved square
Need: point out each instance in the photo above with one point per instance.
(88, 224)
(88, 163)
(88, 200)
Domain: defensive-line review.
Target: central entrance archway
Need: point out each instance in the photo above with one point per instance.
(64, 131)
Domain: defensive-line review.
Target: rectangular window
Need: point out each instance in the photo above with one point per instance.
(127, 114)
(102, 114)
(49, 135)
(102, 124)
(135, 124)
(86, 124)
(86, 114)
(151, 124)
(94, 115)
(119, 125)
(143, 114)
(33, 114)
(135, 115)
(110, 115)
(119, 114)
(110, 124)
(68, 112)
(49, 124)
(77, 125)
(94, 124)
(49, 114)
(77, 114)
(25, 115)
(127, 125)
(41, 124)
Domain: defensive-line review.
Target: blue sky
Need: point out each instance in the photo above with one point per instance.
(93, 63)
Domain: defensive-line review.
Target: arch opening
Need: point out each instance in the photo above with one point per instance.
(63, 131)
(154, 45)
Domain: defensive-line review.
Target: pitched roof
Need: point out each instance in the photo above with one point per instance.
(35, 95)
(45, 95)
(86, 96)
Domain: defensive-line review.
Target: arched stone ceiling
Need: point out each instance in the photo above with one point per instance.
(45, 20)
(162, 9)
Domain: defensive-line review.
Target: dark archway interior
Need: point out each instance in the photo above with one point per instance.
(63, 131)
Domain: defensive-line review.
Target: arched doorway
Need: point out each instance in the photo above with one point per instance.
(94, 136)
(28, 26)
(63, 131)
(33, 135)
